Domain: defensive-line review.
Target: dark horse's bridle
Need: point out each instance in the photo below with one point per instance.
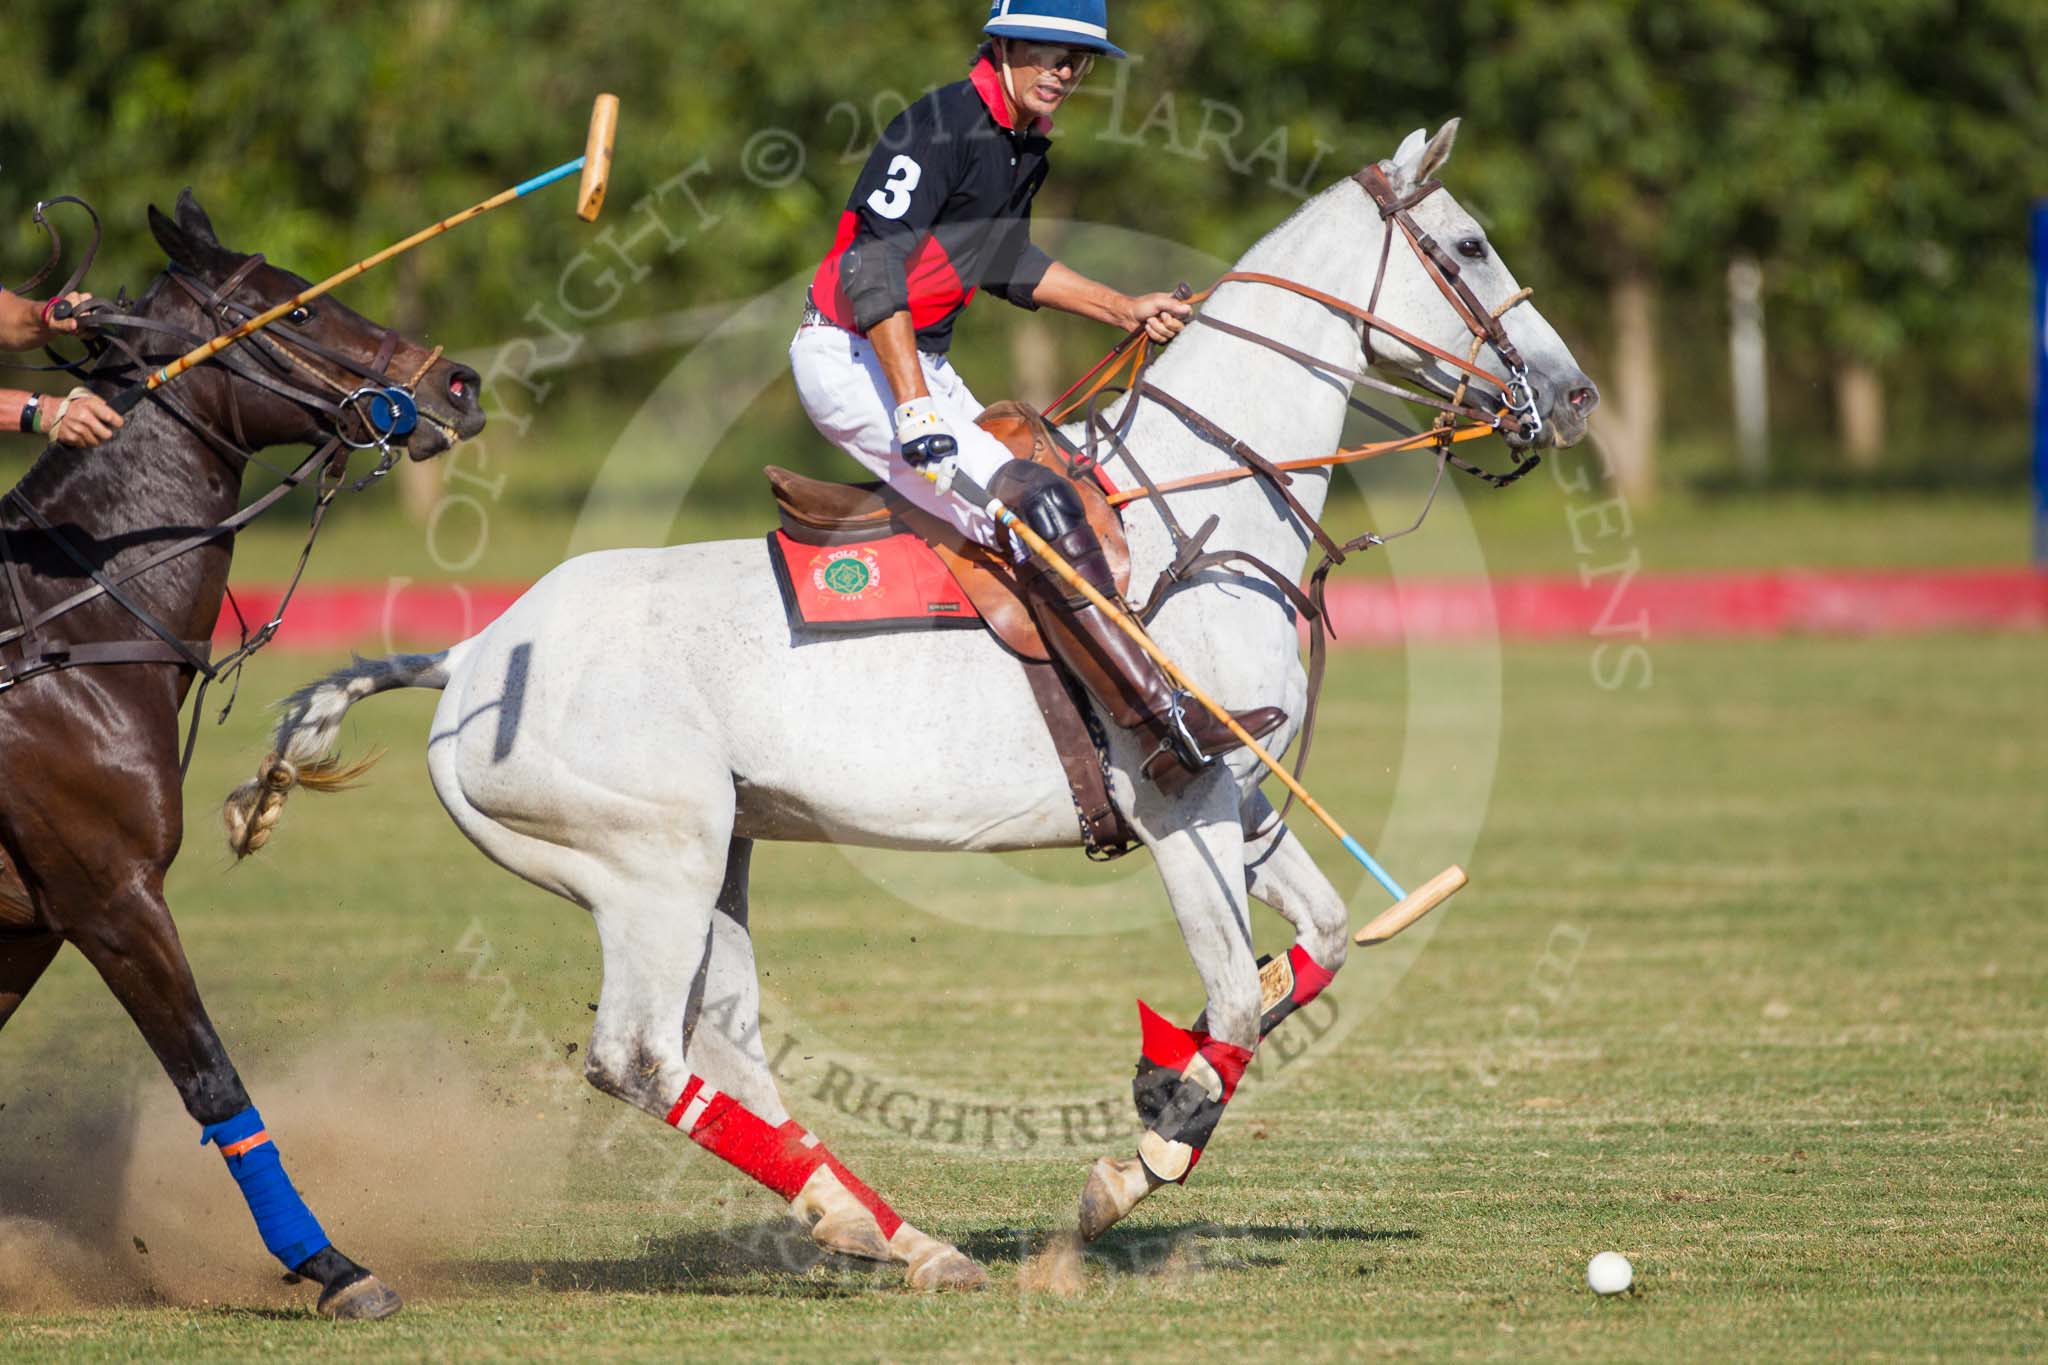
(353, 406)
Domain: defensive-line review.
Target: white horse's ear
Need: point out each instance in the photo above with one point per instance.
(1401, 166)
(1437, 153)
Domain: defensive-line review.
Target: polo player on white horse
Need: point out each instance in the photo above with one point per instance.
(630, 729)
(943, 207)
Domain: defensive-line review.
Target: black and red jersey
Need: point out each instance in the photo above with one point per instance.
(943, 207)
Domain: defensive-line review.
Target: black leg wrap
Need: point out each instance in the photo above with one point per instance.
(1183, 1081)
(1179, 1117)
(1173, 1106)
(1152, 1090)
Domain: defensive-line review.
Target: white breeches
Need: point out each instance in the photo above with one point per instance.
(840, 382)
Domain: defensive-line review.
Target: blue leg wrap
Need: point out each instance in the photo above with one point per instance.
(288, 1227)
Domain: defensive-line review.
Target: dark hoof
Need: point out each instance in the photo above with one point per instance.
(363, 1300)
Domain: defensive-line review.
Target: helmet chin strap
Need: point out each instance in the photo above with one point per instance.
(1010, 83)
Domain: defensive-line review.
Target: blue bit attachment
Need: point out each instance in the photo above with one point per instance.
(393, 413)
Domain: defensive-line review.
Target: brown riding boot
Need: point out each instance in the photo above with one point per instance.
(1122, 677)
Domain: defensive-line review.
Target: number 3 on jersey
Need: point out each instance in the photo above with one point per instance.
(893, 199)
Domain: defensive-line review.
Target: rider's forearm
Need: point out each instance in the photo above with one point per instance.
(21, 326)
(1072, 292)
(895, 342)
(12, 401)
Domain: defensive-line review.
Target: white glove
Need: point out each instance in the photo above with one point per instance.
(928, 443)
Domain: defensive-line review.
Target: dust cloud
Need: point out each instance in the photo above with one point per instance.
(401, 1146)
(1060, 1269)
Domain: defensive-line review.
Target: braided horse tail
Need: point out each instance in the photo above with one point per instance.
(305, 753)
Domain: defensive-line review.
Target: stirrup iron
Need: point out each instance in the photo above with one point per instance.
(1179, 738)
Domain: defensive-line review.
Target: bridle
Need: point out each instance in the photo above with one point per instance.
(1458, 420)
(363, 396)
(1518, 396)
(1518, 400)
(354, 407)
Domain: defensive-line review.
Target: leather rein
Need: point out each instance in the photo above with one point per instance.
(1458, 420)
(338, 391)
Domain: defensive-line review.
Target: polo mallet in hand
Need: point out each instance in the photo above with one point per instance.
(595, 164)
(1408, 907)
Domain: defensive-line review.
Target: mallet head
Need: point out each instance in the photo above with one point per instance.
(597, 158)
(1418, 903)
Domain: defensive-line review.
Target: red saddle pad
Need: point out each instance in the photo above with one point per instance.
(878, 585)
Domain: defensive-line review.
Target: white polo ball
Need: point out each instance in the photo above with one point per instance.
(1610, 1273)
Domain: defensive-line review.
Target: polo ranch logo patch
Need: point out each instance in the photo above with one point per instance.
(849, 575)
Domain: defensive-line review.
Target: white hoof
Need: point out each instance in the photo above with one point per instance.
(1113, 1190)
(839, 1222)
(934, 1264)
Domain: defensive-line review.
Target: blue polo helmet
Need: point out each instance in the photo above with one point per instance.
(1075, 23)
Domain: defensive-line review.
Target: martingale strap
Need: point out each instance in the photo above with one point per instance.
(103, 584)
(191, 658)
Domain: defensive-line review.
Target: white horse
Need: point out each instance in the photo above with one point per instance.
(640, 718)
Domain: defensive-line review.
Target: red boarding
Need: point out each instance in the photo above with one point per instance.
(892, 584)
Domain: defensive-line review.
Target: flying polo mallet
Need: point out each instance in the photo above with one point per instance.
(595, 163)
(1408, 907)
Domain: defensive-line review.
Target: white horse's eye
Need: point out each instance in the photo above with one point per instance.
(1473, 248)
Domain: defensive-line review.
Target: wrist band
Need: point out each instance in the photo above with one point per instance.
(44, 311)
(28, 413)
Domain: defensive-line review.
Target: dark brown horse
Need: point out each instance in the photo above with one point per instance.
(90, 815)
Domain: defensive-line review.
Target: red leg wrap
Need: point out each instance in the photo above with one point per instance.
(1163, 1042)
(1230, 1060)
(781, 1157)
(1310, 977)
(1167, 1045)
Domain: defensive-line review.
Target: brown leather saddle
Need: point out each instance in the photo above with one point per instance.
(818, 512)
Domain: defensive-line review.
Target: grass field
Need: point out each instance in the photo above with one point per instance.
(1751, 985)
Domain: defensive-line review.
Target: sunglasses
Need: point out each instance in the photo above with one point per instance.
(1052, 57)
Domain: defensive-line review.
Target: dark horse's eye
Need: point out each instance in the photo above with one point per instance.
(1473, 248)
(299, 316)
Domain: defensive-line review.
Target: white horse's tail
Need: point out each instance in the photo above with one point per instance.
(304, 752)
